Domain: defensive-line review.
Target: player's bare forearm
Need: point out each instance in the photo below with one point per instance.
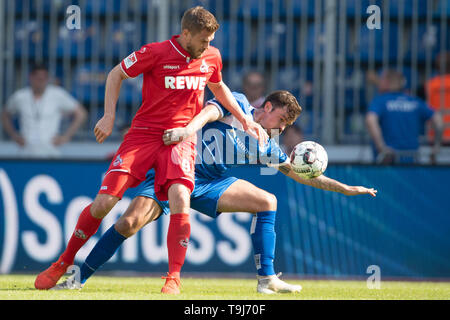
(209, 113)
(325, 183)
(104, 126)
(112, 90)
(225, 97)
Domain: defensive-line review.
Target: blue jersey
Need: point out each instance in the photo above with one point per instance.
(401, 119)
(223, 144)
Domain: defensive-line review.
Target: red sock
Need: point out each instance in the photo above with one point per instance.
(86, 226)
(177, 241)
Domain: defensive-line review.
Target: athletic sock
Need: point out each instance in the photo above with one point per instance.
(86, 226)
(263, 240)
(177, 241)
(105, 248)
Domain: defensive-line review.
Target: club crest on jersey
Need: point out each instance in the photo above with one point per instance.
(117, 161)
(204, 67)
(130, 60)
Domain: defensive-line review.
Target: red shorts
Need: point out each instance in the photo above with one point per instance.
(140, 152)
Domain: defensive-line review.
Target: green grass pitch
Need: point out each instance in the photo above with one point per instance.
(20, 287)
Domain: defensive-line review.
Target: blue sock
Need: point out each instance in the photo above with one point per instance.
(263, 239)
(105, 248)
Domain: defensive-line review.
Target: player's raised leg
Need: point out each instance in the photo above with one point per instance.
(244, 196)
(87, 225)
(177, 235)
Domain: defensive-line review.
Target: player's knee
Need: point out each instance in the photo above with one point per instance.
(128, 226)
(269, 202)
(179, 196)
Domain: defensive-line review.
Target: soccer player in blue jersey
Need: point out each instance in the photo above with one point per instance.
(224, 144)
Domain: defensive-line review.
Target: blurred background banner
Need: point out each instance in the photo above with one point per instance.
(404, 230)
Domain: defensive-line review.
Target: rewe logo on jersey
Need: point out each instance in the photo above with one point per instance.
(185, 82)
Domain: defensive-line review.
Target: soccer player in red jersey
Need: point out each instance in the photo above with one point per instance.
(176, 72)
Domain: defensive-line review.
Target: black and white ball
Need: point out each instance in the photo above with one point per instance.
(309, 159)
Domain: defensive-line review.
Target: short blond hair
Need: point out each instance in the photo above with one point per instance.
(197, 19)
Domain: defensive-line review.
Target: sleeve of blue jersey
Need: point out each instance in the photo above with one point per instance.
(376, 105)
(426, 111)
(241, 100)
(274, 152)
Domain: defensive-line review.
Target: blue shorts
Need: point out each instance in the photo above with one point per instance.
(204, 197)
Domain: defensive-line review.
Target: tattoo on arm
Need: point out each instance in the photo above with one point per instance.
(326, 183)
(285, 169)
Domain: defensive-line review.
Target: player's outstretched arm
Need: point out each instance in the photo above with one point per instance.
(104, 126)
(225, 97)
(325, 183)
(209, 113)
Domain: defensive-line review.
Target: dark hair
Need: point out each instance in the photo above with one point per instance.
(197, 19)
(38, 67)
(283, 98)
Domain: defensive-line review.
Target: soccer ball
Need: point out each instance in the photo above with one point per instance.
(309, 159)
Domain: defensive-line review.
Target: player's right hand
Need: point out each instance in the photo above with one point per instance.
(103, 128)
(255, 130)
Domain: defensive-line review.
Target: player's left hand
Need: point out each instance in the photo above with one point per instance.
(354, 191)
(255, 130)
(175, 135)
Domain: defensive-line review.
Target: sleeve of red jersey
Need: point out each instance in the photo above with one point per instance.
(138, 62)
(216, 77)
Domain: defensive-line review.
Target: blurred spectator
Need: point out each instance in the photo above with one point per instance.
(291, 136)
(254, 87)
(395, 120)
(40, 109)
(438, 94)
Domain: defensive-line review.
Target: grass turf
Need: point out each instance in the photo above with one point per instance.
(20, 287)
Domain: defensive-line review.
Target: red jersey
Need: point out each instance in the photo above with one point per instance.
(174, 84)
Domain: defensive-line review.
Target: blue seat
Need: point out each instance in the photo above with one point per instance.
(124, 38)
(365, 43)
(290, 79)
(30, 36)
(230, 37)
(396, 8)
(428, 40)
(275, 38)
(89, 85)
(300, 8)
(443, 6)
(252, 8)
(309, 43)
(103, 6)
(70, 42)
(354, 8)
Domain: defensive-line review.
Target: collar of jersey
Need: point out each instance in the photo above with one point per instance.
(179, 48)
